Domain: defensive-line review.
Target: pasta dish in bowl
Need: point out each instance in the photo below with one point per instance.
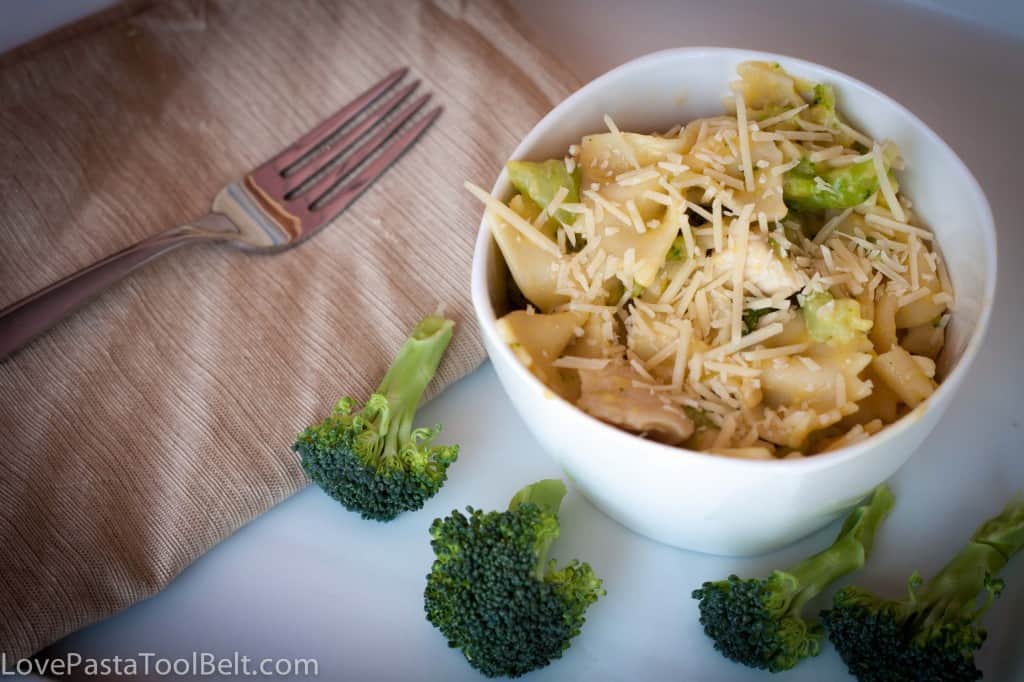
(753, 283)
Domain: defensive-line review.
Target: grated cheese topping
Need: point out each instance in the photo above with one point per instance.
(886, 186)
(623, 145)
(515, 220)
(744, 134)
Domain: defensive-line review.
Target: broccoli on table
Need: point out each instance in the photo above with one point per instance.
(371, 459)
(493, 593)
(758, 621)
(934, 632)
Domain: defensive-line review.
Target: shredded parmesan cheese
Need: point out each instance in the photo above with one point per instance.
(784, 116)
(724, 178)
(914, 296)
(885, 186)
(624, 146)
(857, 136)
(826, 154)
(826, 231)
(658, 197)
(637, 177)
(784, 168)
(744, 134)
(741, 230)
(535, 236)
(771, 353)
(553, 205)
(801, 135)
(634, 217)
(759, 336)
(607, 205)
(716, 224)
(730, 369)
(880, 220)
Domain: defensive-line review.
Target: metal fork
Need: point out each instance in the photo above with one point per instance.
(285, 201)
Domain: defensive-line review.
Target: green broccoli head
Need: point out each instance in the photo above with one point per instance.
(934, 633)
(371, 459)
(831, 319)
(752, 317)
(809, 187)
(752, 621)
(823, 107)
(823, 111)
(540, 181)
(677, 252)
(492, 592)
(758, 622)
(871, 636)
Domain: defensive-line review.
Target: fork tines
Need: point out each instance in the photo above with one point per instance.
(327, 168)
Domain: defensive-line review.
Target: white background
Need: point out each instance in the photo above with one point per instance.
(309, 579)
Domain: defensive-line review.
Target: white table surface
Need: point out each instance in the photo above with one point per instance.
(310, 580)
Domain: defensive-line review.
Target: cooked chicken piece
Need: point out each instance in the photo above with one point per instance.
(763, 268)
(609, 395)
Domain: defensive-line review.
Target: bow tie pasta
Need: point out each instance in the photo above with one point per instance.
(752, 284)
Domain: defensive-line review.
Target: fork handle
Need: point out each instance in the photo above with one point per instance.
(23, 320)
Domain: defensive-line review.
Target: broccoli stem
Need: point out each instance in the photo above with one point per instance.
(408, 377)
(546, 494)
(1005, 531)
(848, 553)
(952, 593)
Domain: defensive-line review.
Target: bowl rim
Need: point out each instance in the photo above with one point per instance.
(487, 318)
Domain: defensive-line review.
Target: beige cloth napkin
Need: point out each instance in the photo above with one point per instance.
(148, 427)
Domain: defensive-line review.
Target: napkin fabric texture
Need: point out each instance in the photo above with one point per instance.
(153, 423)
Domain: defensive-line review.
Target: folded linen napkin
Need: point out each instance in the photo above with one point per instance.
(142, 431)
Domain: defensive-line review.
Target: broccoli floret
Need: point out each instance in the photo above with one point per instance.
(934, 632)
(758, 622)
(824, 96)
(677, 251)
(823, 109)
(492, 591)
(541, 181)
(831, 319)
(699, 417)
(371, 459)
(807, 187)
(751, 317)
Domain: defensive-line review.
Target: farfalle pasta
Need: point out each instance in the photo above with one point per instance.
(752, 284)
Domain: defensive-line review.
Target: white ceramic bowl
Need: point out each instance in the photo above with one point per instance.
(708, 502)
